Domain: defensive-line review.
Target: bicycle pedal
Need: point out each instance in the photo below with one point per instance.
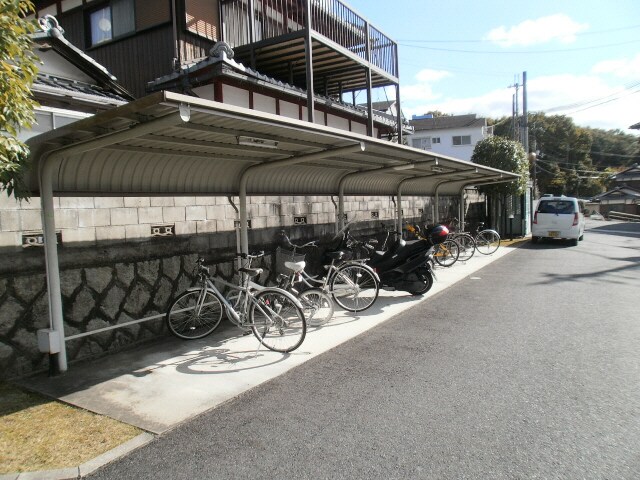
(246, 332)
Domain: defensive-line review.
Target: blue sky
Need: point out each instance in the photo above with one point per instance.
(582, 57)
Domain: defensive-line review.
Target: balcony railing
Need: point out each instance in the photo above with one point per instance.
(330, 18)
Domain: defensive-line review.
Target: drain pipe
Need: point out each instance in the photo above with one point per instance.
(237, 229)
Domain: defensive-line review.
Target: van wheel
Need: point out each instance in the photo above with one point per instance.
(535, 239)
(573, 242)
(581, 237)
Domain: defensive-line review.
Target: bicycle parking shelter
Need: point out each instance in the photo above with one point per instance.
(168, 144)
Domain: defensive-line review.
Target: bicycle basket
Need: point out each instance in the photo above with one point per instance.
(283, 255)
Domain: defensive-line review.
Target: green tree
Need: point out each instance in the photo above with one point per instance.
(614, 148)
(504, 154)
(18, 71)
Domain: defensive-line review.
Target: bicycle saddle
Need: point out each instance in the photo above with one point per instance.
(295, 266)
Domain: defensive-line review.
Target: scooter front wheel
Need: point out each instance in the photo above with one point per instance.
(426, 277)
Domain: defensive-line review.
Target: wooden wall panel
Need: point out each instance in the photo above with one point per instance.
(139, 59)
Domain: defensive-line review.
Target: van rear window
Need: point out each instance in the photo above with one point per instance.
(556, 206)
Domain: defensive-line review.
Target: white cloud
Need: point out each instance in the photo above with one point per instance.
(542, 30)
(593, 102)
(623, 68)
(423, 89)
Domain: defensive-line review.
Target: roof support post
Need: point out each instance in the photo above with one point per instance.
(399, 215)
(368, 79)
(436, 202)
(399, 209)
(398, 110)
(46, 172)
(56, 321)
(244, 178)
(461, 210)
(308, 46)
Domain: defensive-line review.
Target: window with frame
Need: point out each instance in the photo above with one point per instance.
(112, 20)
(422, 143)
(461, 140)
(435, 139)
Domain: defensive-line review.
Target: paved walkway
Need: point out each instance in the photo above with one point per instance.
(158, 386)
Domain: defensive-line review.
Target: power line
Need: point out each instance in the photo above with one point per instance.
(602, 103)
(569, 106)
(565, 50)
(596, 32)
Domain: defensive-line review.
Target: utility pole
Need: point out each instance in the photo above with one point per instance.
(525, 120)
(516, 113)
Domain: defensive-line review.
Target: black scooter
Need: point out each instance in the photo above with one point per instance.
(407, 265)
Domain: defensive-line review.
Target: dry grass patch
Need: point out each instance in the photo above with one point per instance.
(37, 433)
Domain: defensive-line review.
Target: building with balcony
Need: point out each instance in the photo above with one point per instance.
(311, 57)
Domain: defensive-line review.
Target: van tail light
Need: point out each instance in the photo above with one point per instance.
(575, 219)
(535, 217)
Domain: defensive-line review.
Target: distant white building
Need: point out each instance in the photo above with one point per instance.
(455, 136)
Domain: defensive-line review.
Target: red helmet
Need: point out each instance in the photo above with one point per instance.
(438, 234)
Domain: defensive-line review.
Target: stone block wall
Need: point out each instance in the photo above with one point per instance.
(114, 270)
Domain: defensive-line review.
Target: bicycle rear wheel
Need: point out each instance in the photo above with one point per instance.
(487, 241)
(317, 307)
(277, 321)
(191, 316)
(354, 287)
(446, 253)
(467, 246)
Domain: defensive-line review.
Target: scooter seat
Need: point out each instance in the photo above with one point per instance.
(337, 255)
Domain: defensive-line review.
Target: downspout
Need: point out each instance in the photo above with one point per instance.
(176, 40)
(252, 169)
(47, 166)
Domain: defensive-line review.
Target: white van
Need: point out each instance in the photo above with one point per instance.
(559, 217)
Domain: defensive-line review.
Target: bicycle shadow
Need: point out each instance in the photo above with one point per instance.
(385, 300)
(224, 351)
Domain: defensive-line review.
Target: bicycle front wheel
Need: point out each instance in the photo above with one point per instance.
(487, 241)
(354, 287)
(194, 314)
(317, 307)
(467, 246)
(446, 253)
(277, 321)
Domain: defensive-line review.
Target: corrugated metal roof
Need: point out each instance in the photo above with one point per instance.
(146, 148)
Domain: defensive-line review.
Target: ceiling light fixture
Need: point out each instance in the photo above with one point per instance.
(257, 142)
(407, 166)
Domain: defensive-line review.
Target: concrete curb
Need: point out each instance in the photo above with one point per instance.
(85, 468)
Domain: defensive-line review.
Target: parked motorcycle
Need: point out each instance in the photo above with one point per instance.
(407, 265)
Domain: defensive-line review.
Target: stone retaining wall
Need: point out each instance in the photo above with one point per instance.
(118, 278)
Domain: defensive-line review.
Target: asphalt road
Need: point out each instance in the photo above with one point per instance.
(530, 368)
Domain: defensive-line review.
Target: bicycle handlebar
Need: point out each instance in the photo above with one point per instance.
(288, 242)
(252, 256)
